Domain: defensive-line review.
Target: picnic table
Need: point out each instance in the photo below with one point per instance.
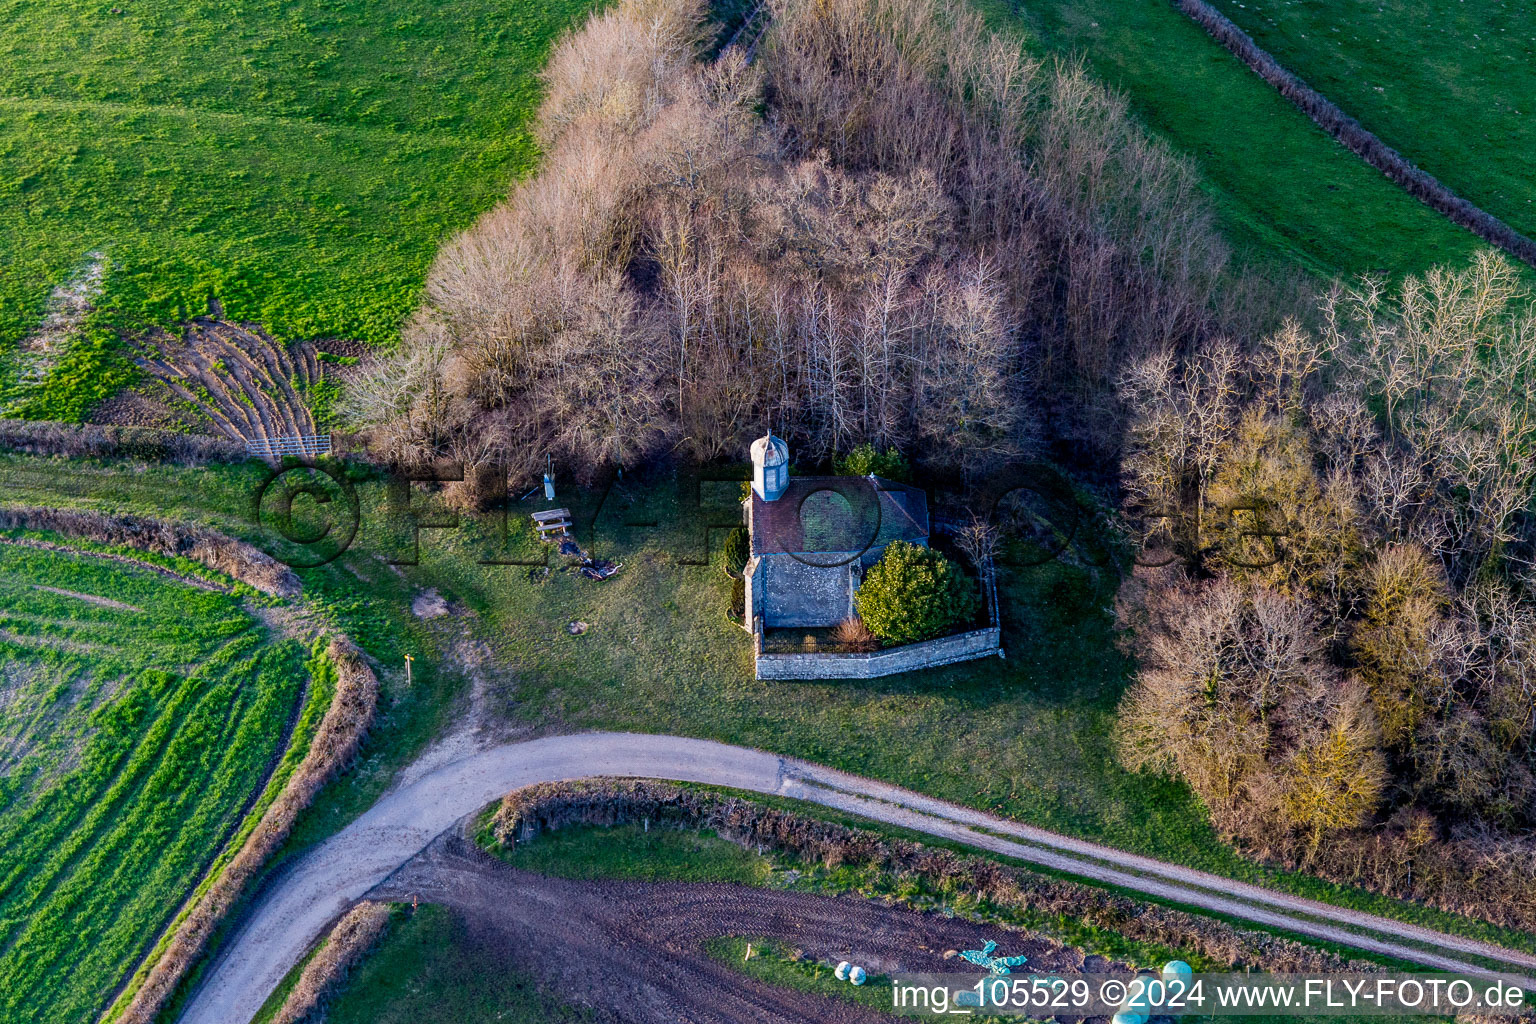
(554, 521)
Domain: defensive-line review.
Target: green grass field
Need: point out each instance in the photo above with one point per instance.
(136, 732)
(300, 164)
(1450, 86)
(637, 854)
(1285, 192)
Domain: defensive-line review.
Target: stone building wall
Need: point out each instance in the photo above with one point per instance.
(946, 650)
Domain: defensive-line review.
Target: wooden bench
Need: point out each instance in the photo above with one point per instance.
(556, 520)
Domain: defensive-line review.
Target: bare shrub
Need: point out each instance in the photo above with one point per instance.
(1394, 448)
(1450, 358)
(40, 437)
(853, 635)
(887, 257)
(979, 538)
(1237, 697)
(348, 943)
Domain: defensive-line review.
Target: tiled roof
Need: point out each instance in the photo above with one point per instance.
(838, 513)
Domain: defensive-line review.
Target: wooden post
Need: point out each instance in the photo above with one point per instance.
(408, 660)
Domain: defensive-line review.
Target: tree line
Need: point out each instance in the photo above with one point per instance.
(1370, 693)
(897, 228)
(887, 229)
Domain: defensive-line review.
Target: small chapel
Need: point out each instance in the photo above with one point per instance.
(813, 537)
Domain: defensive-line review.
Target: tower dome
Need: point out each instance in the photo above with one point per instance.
(770, 467)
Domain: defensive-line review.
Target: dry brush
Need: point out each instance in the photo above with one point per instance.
(345, 947)
(1341, 664)
(881, 231)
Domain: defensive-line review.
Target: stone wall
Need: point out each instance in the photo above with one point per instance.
(946, 650)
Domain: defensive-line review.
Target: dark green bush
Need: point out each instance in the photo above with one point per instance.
(914, 593)
(738, 549)
(738, 611)
(866, 459)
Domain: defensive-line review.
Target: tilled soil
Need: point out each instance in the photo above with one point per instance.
(244, 383)
(633, 951)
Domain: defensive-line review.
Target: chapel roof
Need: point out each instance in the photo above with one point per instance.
(838, 514)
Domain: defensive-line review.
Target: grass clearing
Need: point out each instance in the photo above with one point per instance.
(1285, 192)
(1028, 737)
(1450, 86)
(299, 165)
(136, 735)
(777, 965)
(636, 854)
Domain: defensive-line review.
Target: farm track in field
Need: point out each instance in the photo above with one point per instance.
(247, 385)
(634, 951)
(302, 903)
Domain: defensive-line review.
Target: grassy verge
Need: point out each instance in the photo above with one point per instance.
(1285, 192)
(284, 988)
(1450, 86)
(637, 854)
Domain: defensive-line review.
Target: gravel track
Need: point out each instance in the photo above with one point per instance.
(300, 904)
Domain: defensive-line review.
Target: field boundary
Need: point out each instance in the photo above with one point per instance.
(1355, 137)
(217, 551)
(104, 441)
(335, 743)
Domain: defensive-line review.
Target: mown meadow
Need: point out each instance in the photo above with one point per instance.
(299, 165)
(1286, 194)
(1450, 86)
(139, 721)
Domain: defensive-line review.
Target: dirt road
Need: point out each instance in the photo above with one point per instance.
(299, 905)
(634, 951)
